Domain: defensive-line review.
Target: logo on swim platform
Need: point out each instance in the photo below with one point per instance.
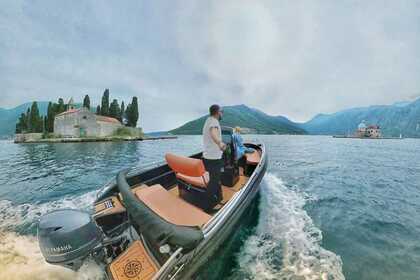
(132, 269)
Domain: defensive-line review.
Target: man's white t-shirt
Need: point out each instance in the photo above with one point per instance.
(211, 150)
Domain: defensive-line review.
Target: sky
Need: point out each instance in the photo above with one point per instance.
(292, 58)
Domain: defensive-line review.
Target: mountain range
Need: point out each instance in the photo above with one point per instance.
(399, 118)
(244, 116)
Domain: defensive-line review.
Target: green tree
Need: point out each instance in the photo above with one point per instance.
(49, 124)
(21, 125)
(86, 102)
(98, 110)
(35, 120)
(27, 120)
(61, 107)
(105, 103)
(114, 109)
(44, 124)
(122, 112)
(132, 113)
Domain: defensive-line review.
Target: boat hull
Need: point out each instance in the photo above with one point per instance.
(216, 232)
(211, 244)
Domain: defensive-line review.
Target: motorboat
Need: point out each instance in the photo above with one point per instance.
(155, 222)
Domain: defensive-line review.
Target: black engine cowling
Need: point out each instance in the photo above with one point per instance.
(66, 237)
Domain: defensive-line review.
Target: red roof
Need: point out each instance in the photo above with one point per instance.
(98, 117)
(71, 111)
(107, 119)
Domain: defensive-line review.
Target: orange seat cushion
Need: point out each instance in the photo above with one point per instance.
(253, 158)
(171, 208)
(201, 181)
(185, 165)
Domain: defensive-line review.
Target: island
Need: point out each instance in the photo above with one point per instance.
(365, 131)
(71, 122)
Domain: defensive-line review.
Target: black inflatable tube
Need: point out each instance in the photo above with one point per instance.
(155, 229)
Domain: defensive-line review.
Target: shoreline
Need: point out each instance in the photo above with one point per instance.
(369, 138)
(97, 139)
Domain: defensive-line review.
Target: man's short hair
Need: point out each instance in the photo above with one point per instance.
(214, 109)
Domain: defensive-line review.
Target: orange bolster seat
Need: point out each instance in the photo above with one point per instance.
(201, 181)
(188, 166)
(189, 170)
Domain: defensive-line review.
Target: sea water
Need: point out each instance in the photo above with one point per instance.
(328, 208)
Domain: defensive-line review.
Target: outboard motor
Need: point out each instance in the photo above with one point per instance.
(66, 237)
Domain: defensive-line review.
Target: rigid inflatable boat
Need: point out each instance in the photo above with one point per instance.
(150, 223)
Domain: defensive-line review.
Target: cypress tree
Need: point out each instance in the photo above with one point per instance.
(135, 111)
(44, 124)
(114, 109)
(21, 125)
(86, 102)
(122, 112)
(27, 120)
(49, 125)
(61, 106)
(105, 103)
(98, 110)
(35, 120)
(128, 115)
(132, 113)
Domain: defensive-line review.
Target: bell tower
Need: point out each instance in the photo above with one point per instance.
(70, 105)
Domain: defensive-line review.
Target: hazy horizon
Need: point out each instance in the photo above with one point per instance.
(295, 59)
(93, 105)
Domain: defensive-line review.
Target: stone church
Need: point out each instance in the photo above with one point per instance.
(75, 123)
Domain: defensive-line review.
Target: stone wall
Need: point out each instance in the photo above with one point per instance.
(27, 137)
(107, 128)
(77, 124)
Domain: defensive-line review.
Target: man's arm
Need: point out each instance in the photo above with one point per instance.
(214, 133)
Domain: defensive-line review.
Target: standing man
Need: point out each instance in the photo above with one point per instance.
(212, 154)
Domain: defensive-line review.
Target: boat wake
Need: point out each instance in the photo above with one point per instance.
(20, 256)
(286, 244)
(24, 217)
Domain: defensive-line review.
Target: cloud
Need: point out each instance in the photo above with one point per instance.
(299, 58)
(295, 58)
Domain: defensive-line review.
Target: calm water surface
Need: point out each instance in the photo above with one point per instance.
(328, 209)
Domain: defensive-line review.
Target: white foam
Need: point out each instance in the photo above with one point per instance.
(286, 244)
(20, 258)
(12, 215)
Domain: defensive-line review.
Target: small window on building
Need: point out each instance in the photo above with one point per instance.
(84, 117)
